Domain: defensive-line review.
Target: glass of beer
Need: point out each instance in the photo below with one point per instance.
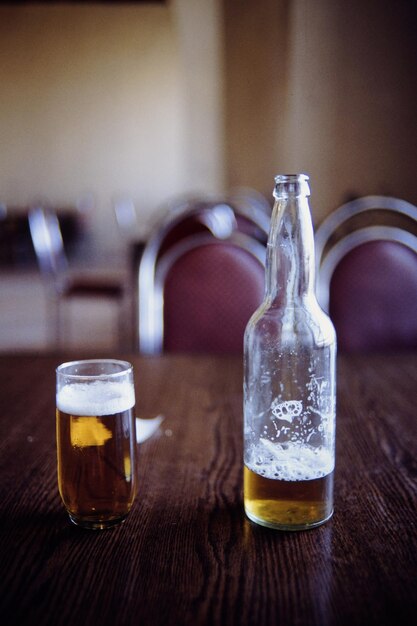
(96, 441)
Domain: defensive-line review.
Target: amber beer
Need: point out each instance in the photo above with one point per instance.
(96, 442)
(292, 492)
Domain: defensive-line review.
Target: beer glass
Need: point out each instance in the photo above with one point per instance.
(96, 441)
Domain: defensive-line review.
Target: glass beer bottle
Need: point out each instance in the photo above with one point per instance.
(289, 380)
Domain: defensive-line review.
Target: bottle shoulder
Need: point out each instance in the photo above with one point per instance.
(303, 322)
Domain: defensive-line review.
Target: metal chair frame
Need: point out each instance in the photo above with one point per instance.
(245, 202)
(152, 275)
(60, 283)
(254, 215)
(329, 254)
(126, 216)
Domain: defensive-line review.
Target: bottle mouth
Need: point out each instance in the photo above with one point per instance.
(285, 178)
(291, 184)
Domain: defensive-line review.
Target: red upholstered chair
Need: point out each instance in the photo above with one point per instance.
(367, 274)
(199, 294)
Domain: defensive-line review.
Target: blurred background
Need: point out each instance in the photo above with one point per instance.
(154, 100)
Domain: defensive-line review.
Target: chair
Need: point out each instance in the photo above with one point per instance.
(253, 213)
(61, 284)
(176, 225)
(367, 273)
(197, 294)
(251, 210)
(217, 218)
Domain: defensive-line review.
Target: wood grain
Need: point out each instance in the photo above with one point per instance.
(187, 554)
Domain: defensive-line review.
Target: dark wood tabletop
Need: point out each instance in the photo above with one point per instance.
(187, 554)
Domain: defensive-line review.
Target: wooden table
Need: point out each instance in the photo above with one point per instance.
(187, 554)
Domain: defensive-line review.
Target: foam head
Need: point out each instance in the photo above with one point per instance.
(97, 398)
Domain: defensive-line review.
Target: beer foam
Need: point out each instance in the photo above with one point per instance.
(100, 397)
(290, 462)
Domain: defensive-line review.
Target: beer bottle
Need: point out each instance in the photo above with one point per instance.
(289, 379)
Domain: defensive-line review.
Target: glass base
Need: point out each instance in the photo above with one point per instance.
(97, 524)
(287, 527)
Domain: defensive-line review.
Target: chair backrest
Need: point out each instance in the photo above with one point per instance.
(250, 200)
(202, 294)
(367, 276)
(47, 241)
(253, 213)
(219, 220)
(361, 212)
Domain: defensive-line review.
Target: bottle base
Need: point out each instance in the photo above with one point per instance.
(285, 526)
(97, 524)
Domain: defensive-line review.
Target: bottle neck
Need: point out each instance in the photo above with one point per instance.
(290, 258)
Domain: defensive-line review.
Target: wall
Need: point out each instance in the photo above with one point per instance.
(325, 87)
(198, 29)
(93, 101)
(256, 47)
(155, 100)
(353, 103)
